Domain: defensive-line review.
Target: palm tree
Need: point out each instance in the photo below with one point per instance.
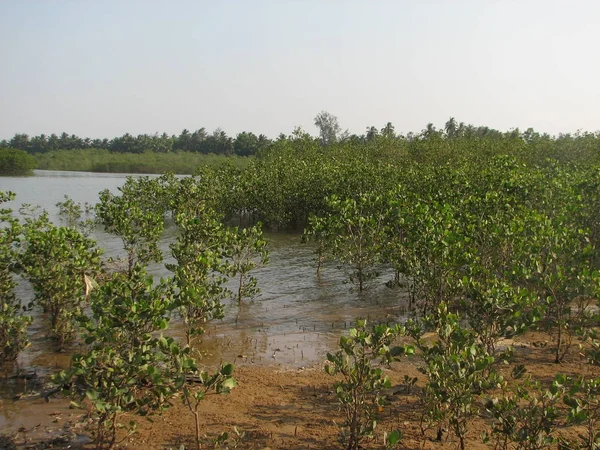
(372, 133)
(430, 131)
(388, 131)
(451, 127)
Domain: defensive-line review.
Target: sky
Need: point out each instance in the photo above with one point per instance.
(104, 68)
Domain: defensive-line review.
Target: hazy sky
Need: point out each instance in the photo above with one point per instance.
(104, 68)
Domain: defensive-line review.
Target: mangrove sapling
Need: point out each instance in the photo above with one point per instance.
(246, 250)
(397, 251)
(587, 201)
(400, 249)
(56, 260)
(592, 332)
(496, 309)
(359, 391)
(31, 212)
(155, 195)
(200, 271)
(221, 188)
(592, 337)
(583, 399)
(593, 353)
(200, 252)
(203, 384)
(559, 268)
(75, 215)
(526, 414)
(13, 324)
(271, 190)
(230, 440)
(458, 368)
(356, 231)
(433, 250)
(567, 316)
(127, 367)
(314, 231)
(140, 229)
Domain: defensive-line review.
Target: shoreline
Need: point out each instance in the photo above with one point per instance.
(278, 406)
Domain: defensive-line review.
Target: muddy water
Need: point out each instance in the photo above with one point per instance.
(296, 319)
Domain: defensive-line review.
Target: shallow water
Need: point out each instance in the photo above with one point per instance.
(296, 319)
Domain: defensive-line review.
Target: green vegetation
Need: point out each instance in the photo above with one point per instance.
(457, 368)
(488, 234)
(199, 141)
(56, 261)
(13, 325)
(359, 392)
(93, 160)
(116, 312)
(200, 271)
(247, 251)
(454, 143)
(126, 368)
(526, 415)
(16, 162)
(355, 235)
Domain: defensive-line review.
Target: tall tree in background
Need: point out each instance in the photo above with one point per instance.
(429, 131)
(372, 133)
(245, 144)
(329, 128)
(388, 131)
(451, 127)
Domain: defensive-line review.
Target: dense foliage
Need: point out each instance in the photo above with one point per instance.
(15, 162)
(359, 391)
(200, 141)
(488, 234)
(455, 142)
(13, 324)
(93, 160)
(114, 310)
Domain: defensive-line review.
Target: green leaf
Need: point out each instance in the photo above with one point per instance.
(394, 438)
(229, 383)
(227, 369)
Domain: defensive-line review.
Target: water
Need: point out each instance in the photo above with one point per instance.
(296, 319)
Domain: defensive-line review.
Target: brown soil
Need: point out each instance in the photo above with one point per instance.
(284, 408)
(278, 408)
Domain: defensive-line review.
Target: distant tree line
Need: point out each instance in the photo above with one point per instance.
(330, 134)
(105, 161)
(200, 141)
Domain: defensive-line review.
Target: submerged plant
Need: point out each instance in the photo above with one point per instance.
(75, 215)
(139, 228)
(13, 324)
(247, 249)
(352, 234)
(199, 274)
(56, 260)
